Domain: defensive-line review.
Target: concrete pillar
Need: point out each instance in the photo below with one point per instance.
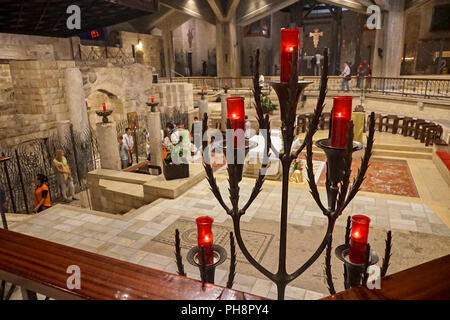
(227, 51)
(108, 146)
(223, 113)
(395, 38)
(75, 99)
(169, 54)
(202, 108)
(154, 127)
(390, 38)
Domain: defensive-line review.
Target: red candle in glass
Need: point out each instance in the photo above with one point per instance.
(359, 235)
(153, 99)
(342, 114)
(289, 42)
(226, 84)
(104, 106)
(205, 238)
(236, 114)
(202, 90)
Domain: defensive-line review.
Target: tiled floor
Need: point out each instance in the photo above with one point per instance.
(131, 237)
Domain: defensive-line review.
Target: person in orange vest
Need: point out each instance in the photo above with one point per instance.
(41, 194)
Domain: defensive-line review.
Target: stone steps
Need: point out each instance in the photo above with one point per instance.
(392, 151)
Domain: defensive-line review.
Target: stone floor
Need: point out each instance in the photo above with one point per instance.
(420, 227)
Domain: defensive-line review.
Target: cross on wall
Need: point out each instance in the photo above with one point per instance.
(316, 37)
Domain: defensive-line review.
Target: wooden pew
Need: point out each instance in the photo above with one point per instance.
(41, 266)
(428, 281)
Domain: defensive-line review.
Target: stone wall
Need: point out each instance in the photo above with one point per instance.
(151, 53)
(39, 100)
(19, 47)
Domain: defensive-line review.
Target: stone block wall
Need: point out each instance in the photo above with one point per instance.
(150, 53)
(39, 100)
(174, 95)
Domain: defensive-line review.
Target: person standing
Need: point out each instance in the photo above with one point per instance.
(196, 132)
(129, 143)
(248, 128)
(3, 208)
(125, 157)
(317, 64)
(346, 74)
(64, 176)
(41, 194)
(261, 82)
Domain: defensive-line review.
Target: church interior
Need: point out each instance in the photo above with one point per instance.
(225, 149)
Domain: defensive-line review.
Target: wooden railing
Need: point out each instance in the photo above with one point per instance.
(41, 266)
(428, 281)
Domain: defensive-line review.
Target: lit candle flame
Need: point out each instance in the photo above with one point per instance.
(290, 49)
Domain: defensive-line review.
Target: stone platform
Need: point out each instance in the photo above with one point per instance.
(119, 192)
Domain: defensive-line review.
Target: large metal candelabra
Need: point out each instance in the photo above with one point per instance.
(339, 161)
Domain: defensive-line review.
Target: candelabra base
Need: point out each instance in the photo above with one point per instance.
(220, 255)
(104, 114)
(354, 271)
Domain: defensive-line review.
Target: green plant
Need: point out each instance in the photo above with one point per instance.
(268, 105)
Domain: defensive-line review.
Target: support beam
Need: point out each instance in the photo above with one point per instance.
(251, 11)
(348, 4)
(198, 9)
(143, 5)
(224, 14)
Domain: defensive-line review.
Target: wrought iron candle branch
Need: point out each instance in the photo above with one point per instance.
(355, 274)
(338, 170)
(197, 258)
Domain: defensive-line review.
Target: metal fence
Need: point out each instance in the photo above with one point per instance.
(33, 157)
(414, 87)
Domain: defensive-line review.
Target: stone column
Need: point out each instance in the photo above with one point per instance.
(75, 99)
(202, 108)
(154, 127)
(223, 113)
(108, 146)
(227, 49)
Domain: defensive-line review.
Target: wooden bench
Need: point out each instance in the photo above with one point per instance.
(38, 265)
(428, 281)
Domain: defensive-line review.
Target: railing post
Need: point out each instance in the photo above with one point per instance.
(403, 88)
(426, 88)
(8, 181)
(21, 181)
(384, 84)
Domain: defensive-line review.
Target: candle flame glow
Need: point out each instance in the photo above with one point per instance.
(234, 116)
(290, 49)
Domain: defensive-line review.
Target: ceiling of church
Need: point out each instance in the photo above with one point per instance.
(50, 17)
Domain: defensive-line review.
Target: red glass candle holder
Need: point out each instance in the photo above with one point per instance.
(359, 236)
(236, 114)
(341, 117)
(104, 106)
(153, 98)
(205, 238)
(289, 42)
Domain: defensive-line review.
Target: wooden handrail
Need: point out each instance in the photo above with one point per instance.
(41, 266)
(428, 281)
